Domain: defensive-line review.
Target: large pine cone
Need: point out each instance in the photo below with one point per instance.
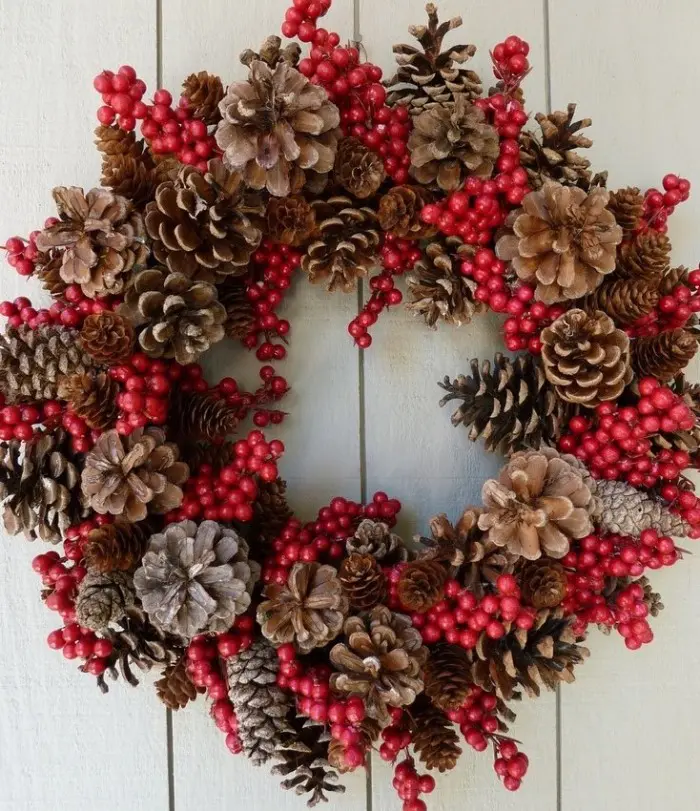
(665, 355)
(381, 660)
(345, 247)
(290, 220)
(363, 580)
(103, 598)
(627, 206)
(93, 398)
(33, 362)
(646, 257)
(308, 610)
(277, 128)
(99, 238)
(359, 170)
(623, 510)
(204, 225)
(117, 546)
(134, 475)
(180, 318)
(434, 738)
(543, 583)
(562, 239)
(400, 212)
(422, 584)
(107, 337)
(376, 539)
(450, 143)
(624, 300)
(586, 358)
(447, 681)
(204, 93)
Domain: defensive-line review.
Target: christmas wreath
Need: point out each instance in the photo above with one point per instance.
(317, 642)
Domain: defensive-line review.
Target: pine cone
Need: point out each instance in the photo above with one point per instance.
(304, 755)
(671, 280)
(174, 688)
(623, 510)
(509, 404)
(48, 272)
(103, 598)
(40, 494)
(363, 580)
(450, 143)
(439, 289)
(204, 93)
(201, 416)
(551, 155)
(93, 398)
(308, 610)
(261, 707)
(99, 237)
(107, 337)
(422, 585)
(181, 318)
(113, 140)
(539, 502)
(118, 546)
(134, 475)
(664, 355)
(652, 599)
(586, 358)
(359, 170)
(273, 116)
(272, 53)
(33, 362)
(447, 681)
(197, 454)
(345, 247)
(647, 257)
(129, 177)
(627, 206)
(290, 220)
(204, 226)
(271, 509)
(375, 538)
(240, 316)
(434, 738)
(429, 77)
(381, 660)
(624, 300)
(400, 212)
(563, 239)
(543, 584)
(543, 656)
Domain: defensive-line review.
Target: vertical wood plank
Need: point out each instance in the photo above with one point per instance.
(632, 718)
(412, 450)
(321, 433)
(62, 744)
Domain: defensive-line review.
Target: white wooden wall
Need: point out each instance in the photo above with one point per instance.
(626, 735)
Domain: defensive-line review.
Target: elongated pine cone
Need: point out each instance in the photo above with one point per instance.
(623, 510)
(422, 584)
(174, 688)
(290, 220)
(434, 737)
(400, 212)
(107, 337)
(240, 316)
(627, 206)
(201, 415)
(116, 546)
(271, 510)
(204, 92)
(363, 580)
(647, 257)
(586, 358)
(624, 300)
(664, 355)
(543, 584)
(93, 398)
(103, 598)
(447, 681)
(359, 170)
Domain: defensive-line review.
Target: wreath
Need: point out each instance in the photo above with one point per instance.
(317, 642)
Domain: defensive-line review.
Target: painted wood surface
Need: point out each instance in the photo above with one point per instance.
(624, 734)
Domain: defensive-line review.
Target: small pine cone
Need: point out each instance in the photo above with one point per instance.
(240, 316)
(434, 738)
(664, 355)
(49, 274)
(400, 209)
(543, 583)
(672, 279)
(272, 53)
(103, 598)
(358, 169)
(107, 337)
(647, 257)
(197, 454)
(92, 398)
(175, 688)
(628, 206)
(116, 547)
(375, 538)
(129, 177)
(115, 141)
(422, 585)
(201, 415)
(624, 300)
(447, 681)
(363, 580)
(290, 220)
(368, 730)
(203, 92)
(272, 509)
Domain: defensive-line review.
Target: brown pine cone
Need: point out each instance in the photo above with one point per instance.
(647, 257)
(422, 584)
(272, 53)
(447, 681)
(115, 141)
(117, 546)
(201, 415)
(271, 509)
(628, 206)
(359, 170)
(204, 92)
(49, 274)
(368, 730)
(174, 688)
(586, 358)
(103, 598)
(543, 583)
(399, 212)
(92, 398)
(624, 300)
(664, 355)
(240, 316)
(434, 738)
(290, 220)
(674, 277)
(129, 177)
(107, 337)
(363, 580)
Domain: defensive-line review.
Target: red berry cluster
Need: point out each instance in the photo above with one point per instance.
(300, 21)
(382, 129)
(461, 617)
(477, 718)
(409, 785)
(658, 206)
(146, 385)
(68, 313)
(510, 764)
(121, 93)
(510, 63)
(229, 494)
(22, 254)
(522, 330)
(674, 310)
(397, 256)
(18, 421)
(274, 387)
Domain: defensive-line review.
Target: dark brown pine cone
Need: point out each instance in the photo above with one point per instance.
(271, 509)
(421, 584)
(107, 337)
(117, 546)
(358, 169)
(400, 209)
(434, 738)
(174, 688)
(543, 583)
(201, 415)
(290, 220)
(624, 300)
(648, 256)
(93, 398)
(240, 316)
(446, 677)
(363, 580)
(204, 91)
(665, 355)
(627, 205)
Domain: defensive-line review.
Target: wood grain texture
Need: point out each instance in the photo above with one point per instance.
(413, 452)
(62, 743)
(632, 718)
